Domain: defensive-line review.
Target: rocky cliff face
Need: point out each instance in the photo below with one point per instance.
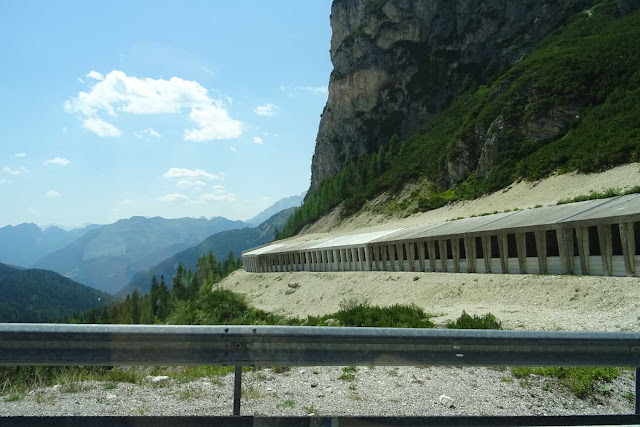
(397, 63)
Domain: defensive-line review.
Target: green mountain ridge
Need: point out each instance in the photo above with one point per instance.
(34, 295)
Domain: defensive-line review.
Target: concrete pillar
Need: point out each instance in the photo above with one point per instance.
(541, 251)
(565, 247)
(470, 252)
(307, 260)
(368, 252)
(354, 259)
(336, 260)
(421, 255)
(384, 254)
(606, 247)
(628, 247)
(521, 248)
(431, 246)
(486, 253)
(455, 251)
(345, 260)
(412, 256)
(443, 254)
(503, 248)
(582, 236)
(327, 259)
(399, 254)
(392, 257)
(361, 261)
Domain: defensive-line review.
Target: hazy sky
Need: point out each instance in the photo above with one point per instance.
(121, 108)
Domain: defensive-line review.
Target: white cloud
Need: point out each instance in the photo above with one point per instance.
(15, 172)
(118, 93)
(219, 194)
(3, 181)
(257, 140)
(126, 202)
(234, 149)
(21, 154)
(218, 197)
(315, 90)
(57, 161)
(100, 127)
(185, 183)
(172, 198)
(180, 173)
(53, 194)
(94, 75)
(214, 123)
(266, 110)
(147, 133)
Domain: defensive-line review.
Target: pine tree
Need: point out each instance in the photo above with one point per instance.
(135, 307)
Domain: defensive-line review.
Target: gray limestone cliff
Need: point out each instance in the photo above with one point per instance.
(397, 63)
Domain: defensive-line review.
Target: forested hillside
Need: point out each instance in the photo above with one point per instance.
(43, 296)
(573, 103)
(181, 300)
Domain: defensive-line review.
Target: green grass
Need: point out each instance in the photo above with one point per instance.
(595, 195)
(582, 382)
(194, 373)
(288, 403)
(14, 397)
(348, 373)
(311, 409)
(190, 393)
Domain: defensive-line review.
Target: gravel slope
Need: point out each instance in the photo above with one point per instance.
(375, 391)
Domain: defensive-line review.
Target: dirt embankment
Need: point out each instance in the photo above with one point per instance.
(519, 301)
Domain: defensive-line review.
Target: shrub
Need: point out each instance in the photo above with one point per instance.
(465, 321)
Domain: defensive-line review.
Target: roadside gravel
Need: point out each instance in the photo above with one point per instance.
(317, 390)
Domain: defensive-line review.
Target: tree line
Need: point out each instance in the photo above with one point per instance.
(174, 302)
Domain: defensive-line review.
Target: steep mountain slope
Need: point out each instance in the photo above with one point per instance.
(398, 63)
(572, 103)
(107, 258)
(280, 205)
(43, 296)
(26, 243)
(220, 244)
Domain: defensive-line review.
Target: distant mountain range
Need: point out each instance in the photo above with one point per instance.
(31, 295)
(108, 257)
(220, 244)
(280, 205)
(24, 244)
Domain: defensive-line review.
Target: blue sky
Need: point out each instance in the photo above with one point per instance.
(174, 109)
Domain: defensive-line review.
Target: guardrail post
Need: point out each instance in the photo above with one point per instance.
(237, 390)
(637, 407)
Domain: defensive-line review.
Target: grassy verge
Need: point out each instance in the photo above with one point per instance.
(594, 195)
(582, 382)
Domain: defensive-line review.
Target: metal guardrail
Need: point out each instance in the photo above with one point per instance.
(111, 345)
